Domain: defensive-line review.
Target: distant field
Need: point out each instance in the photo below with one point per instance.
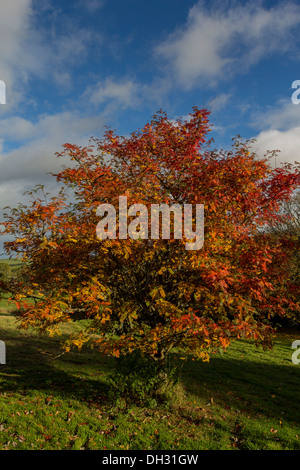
(11, 262)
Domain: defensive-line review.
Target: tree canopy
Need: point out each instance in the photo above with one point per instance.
(152, 294)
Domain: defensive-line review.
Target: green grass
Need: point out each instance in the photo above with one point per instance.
(244, 399)
(11, 261)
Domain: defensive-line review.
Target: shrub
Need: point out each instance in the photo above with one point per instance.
(142, 380)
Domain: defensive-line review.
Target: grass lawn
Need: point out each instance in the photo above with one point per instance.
(245, 399)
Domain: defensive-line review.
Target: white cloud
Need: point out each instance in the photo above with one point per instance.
(28, 51)
(220, 101)
(283, 115)
(71, 46)
(23, 50)
(221, 42)
(287, 142)
(11, 193)
(280, 126)
(32, 161)
(123, 92)
(116, 93)
(16, 128)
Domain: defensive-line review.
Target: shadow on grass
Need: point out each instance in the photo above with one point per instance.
(243, 384)
(31, 365)
(255, 387)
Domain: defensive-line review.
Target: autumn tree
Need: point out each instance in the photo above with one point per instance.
(287, 227)
(152, 294)
(5, 274)
(288, 221)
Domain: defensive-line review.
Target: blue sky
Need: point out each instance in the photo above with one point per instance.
(72, 67)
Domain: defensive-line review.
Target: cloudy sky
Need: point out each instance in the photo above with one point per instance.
(72, 67)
